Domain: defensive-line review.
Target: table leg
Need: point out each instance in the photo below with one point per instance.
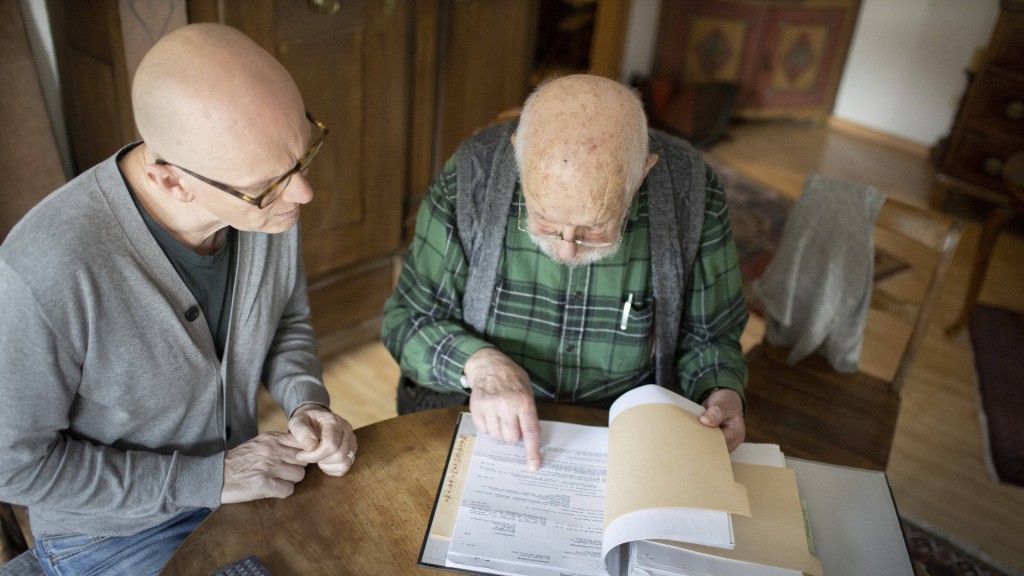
(989, 232)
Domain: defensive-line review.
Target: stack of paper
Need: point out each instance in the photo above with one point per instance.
(654, 493)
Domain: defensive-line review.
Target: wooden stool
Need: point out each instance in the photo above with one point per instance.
(1013, 175)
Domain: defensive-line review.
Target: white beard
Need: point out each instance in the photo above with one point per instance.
(582, 258)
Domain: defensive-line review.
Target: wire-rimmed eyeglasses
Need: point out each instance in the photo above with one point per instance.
(269, 194)
(578, 240)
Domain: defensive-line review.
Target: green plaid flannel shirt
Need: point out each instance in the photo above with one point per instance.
(564, 325)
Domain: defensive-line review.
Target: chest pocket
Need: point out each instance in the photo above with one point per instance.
(626, 349)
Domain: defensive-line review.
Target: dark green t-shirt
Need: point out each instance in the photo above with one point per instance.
(210, 278)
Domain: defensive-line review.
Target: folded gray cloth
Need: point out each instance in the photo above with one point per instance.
(817, 289)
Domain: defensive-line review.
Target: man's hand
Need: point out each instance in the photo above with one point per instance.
(724, 409)
(264, 467)
(501, 401)
(325, 439)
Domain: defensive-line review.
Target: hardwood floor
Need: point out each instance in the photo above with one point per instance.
(937, 469)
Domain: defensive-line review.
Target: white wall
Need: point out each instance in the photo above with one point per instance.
(638, 53)
(904, 73)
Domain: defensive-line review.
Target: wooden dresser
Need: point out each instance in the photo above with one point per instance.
(989, 127)
(785, 56)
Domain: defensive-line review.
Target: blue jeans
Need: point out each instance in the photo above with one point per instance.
(140, 554)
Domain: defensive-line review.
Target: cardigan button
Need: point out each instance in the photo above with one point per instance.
(192, 313)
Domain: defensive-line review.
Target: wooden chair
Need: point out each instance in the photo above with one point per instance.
(1013, 177)
(12, 539)
(816, 413)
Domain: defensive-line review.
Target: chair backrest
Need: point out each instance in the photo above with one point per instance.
(815, 291)
(925, 241)
(808, 408)
(12, 539)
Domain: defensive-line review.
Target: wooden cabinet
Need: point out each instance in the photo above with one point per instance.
(95, 88)
(352, 63)
(29, 157)
(989, 127)
(785, 56)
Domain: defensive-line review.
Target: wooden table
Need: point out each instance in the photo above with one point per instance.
(370, 521)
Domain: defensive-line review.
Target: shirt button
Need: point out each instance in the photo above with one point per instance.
(578, 295)
(192, 313)
(570, 348)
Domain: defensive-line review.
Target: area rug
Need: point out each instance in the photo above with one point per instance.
(933, 555)
(997, 336)
(758, 215)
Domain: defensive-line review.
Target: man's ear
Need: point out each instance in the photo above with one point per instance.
(651, 161)
(166, 179)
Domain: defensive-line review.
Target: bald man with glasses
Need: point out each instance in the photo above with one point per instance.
(147, 300)
(570, 257)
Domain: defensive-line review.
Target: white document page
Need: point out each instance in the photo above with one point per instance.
(535, 523)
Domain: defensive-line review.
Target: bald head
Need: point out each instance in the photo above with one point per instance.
(206, 95)
(582, 139)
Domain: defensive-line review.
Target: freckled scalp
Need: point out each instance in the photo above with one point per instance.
(586, 135)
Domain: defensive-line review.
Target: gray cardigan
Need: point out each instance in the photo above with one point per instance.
(817, 289)
(115, 412)
(487, 176)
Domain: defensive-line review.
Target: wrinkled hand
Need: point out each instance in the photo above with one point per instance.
(501, 401)
(724, 409)
(265, 467)
(325, 439)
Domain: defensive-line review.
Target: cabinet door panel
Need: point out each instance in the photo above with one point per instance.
(351, 60)
(94, 79)
(484, 37)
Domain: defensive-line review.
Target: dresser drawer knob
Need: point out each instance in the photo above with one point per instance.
(993, 166)
(1015, 110)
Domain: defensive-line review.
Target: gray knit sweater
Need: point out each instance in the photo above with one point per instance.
(115, 412)
(817, 289)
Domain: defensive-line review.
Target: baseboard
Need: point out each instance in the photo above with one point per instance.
(893, 141)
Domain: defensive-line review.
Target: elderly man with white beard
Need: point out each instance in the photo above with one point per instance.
(570, 257)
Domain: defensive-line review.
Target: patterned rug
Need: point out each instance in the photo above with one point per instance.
(758, 215)
(997, 336)
(933, 555)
